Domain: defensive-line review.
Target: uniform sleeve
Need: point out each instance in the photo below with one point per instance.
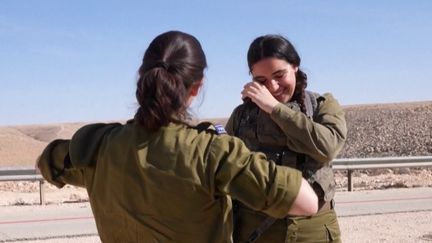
(55, 166)
(233, 120)
(251, 179)
(65, 161)
(322, 138)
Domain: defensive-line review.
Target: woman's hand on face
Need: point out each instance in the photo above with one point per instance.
(260, 95)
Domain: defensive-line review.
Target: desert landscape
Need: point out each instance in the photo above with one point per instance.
(379, 130)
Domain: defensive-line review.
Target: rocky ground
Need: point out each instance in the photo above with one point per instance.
(403, 129)
(386, 130)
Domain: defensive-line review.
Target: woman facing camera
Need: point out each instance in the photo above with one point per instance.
(295, 128)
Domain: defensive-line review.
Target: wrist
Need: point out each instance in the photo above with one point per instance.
(271, 107)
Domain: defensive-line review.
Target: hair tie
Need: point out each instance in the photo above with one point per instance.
(161, 64)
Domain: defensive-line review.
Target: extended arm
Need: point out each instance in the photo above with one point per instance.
(65, 161)
(258, 183)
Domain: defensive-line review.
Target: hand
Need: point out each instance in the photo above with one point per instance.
(260, 95)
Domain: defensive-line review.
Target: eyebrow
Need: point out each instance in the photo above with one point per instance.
(274, 73)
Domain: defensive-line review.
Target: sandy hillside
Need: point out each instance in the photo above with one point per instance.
(397, 129)
(20, 145)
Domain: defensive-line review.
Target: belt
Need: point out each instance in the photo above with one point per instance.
(326, 206)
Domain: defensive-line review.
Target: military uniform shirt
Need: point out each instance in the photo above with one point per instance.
(321, 138)
(173, 185)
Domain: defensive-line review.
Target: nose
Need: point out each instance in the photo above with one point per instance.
(272, 85)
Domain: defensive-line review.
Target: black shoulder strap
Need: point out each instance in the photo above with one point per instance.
(247, 104)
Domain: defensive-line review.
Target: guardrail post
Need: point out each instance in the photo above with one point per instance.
(42, 192)
(350, 183)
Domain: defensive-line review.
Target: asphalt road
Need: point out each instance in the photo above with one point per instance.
(383, 201)
(24, 223)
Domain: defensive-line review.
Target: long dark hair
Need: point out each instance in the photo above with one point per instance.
(279, 47)
(171, 64)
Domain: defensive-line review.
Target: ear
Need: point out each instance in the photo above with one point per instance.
(195, 88)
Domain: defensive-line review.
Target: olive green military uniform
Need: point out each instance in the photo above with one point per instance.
(293, 139)
(167, 186)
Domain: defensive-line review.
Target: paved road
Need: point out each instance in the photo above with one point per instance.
(43, 222)
(383, 201)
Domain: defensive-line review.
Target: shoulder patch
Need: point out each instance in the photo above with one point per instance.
(208, 126)
(220, 129)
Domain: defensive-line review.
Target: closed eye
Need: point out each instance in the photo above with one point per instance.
(259, 80)
(280, 74)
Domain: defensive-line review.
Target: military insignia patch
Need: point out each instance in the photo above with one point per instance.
(220, 129)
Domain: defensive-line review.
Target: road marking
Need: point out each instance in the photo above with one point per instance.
(384, 200)
(44, 220)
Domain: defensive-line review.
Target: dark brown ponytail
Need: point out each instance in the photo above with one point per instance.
(172, 63)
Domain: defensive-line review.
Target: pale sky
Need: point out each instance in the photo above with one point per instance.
(76, 60)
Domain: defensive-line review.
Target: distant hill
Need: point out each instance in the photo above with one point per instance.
(379, 130)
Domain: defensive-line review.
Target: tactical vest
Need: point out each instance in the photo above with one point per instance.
(261, 133)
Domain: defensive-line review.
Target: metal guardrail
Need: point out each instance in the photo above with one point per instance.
(378, 163)
(24, 174)
(338, 164)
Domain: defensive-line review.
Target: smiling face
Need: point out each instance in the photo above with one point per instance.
(277, 75)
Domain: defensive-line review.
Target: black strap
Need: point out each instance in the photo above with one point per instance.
(269, 221)
(235, 218)
(246, 103)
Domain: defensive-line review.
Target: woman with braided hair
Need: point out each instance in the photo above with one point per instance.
(295, 128)
(159, 178)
